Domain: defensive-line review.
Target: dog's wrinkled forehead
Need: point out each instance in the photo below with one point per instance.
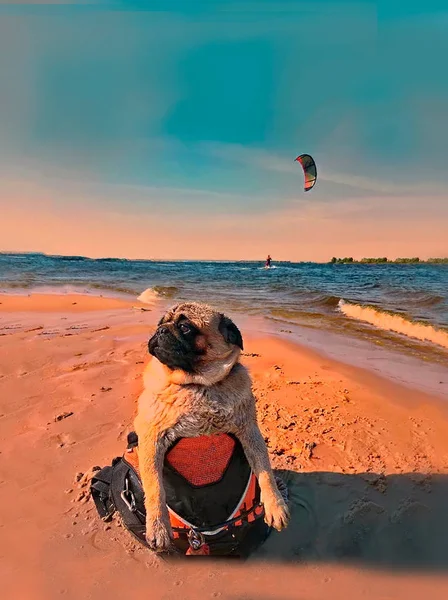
(200, 315)
(208, 321)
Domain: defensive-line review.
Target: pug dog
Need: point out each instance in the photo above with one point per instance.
(195, 385)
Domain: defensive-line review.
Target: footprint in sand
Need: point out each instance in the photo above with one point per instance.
(62, 440)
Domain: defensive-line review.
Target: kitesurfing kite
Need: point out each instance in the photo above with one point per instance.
(309, 170)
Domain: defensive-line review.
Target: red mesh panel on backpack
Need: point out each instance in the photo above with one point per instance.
(202, 460)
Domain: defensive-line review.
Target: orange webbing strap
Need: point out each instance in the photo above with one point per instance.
(176, 523)
(204, 550)
(248, 502)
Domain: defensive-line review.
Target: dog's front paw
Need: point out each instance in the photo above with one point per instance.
(158, 536)
(276, 513)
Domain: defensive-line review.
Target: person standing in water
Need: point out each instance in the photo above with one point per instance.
(268, 261)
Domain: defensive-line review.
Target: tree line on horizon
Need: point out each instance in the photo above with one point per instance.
(383, 260)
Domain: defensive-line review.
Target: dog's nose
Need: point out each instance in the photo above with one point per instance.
(152, 344)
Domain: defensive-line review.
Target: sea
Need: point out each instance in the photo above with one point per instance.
(400, 307)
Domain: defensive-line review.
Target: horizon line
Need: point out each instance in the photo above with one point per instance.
(104, 258)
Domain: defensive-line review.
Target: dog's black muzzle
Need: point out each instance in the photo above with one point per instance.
(171, 351)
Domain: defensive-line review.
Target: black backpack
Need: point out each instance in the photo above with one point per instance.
(212, 495)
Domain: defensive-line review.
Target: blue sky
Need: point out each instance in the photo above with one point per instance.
(219, 98)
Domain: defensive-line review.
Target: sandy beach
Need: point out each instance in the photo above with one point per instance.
(365, 459)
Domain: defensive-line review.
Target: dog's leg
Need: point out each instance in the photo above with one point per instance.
(151, 455)
(276, 511)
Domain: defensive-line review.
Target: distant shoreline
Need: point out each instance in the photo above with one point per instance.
(386, 261)
(334, 260)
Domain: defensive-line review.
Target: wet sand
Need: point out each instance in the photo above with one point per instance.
(365, 459)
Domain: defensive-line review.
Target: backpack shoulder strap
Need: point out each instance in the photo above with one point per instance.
(100, 491)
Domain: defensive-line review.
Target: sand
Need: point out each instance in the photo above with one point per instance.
(365, 459)
(51, 303)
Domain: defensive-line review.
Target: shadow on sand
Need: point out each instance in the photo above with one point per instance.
(395, 521)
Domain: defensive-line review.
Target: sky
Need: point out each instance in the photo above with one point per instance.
(169, 129)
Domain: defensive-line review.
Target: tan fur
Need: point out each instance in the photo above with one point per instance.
(217, 397)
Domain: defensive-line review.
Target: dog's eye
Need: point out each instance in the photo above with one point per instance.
(185, 328)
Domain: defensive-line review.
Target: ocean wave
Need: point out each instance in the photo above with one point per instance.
(18, 285)
(427, 300)
(107, 287)
(58, 287)
(316, 299)
(167, 291)
(412, 296)
(331, 301)
(393, 322)
(151, 295)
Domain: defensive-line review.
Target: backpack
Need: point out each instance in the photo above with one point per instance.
(212, 495)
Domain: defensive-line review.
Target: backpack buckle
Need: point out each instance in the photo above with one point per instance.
(128, 497)
(197, 544)
(195, 539)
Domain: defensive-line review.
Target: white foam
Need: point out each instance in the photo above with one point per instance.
(149, 296)
(395, 323)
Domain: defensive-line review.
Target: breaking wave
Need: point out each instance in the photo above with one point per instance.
(151, 295)
(395, 323)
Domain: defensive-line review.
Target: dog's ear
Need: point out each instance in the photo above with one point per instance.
(230, 332)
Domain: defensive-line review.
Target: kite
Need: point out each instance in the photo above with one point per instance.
(309, 170)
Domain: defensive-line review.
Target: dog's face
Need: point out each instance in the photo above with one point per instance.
(197, 341)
